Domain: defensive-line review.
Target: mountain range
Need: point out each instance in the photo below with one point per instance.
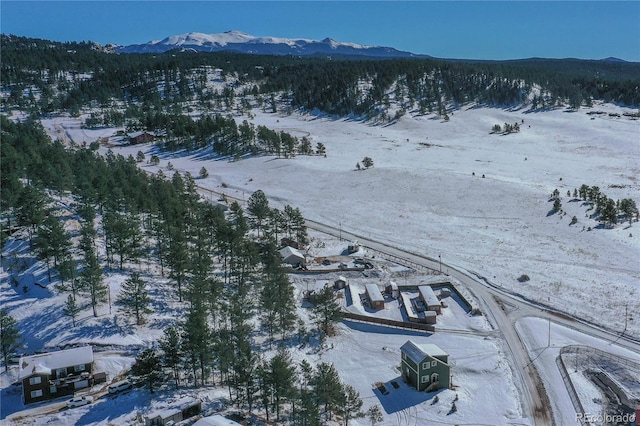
(238, 41)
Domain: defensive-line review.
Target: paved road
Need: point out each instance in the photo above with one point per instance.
(502, 309)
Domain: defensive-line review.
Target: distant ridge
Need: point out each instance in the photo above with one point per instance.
(612, 59)
(237, 41)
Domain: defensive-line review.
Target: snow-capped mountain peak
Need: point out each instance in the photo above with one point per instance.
(246, 43)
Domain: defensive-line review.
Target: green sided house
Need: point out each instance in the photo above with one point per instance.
(425, 366)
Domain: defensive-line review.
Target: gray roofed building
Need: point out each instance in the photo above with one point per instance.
(292, 256)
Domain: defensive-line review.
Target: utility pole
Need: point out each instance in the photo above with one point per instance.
(340, 225)
(626, 317)
(549, 335)
(440, 259)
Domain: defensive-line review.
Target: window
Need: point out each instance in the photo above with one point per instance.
(61, 372)
(434, 363)
(425, 365)
(36, 393)
(425, 379)
(35, 380)
(53, 389)
(78, 368)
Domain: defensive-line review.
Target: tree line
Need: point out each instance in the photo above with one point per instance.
(44, 76)
(235, 296)
(606, 210)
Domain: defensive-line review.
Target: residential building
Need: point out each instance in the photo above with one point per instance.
(292, 256)
(425, 366)
(55, 374)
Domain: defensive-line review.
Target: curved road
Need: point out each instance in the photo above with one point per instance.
(501, 308)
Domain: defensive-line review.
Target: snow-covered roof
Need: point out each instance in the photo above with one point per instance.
(288, 251)
(216, 420)
(136, 134)
(374, 293)
(417, 352)
(428, 295)
(47, 362)
(176, 407)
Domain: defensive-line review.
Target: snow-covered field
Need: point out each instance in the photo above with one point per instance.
(479, 200)
(422, 194)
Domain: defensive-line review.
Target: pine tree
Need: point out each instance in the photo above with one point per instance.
(148, 367)
(326, 310)
(203, 173)
(171, 346)
(629, 209)
(123, 235)
(52, 241)
(9, 337)
(258, 207)
(374, 413)
(283, 375)
(31, 210)
(134, 298)
(557, 205)
(349, 404)
(91, 278)
(327, 387)
(608, 212)
(71, 309)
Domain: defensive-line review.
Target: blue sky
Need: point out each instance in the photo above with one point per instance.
(453, 29)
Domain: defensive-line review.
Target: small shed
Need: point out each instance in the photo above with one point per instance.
(182, 411)
(429, 317)
(392, 289)
(429, 298)
(340, 283)
(375, 296)
(292, 256)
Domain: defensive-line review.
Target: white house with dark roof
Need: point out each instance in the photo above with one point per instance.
(54, 374)
(425, 366)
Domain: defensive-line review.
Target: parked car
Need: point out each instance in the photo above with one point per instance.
(119, 386)
(79, 401)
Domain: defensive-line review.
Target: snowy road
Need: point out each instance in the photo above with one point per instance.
(503, 310)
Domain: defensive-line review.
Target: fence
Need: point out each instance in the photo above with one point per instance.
(389, 322)
(580, 349)
(577, 405)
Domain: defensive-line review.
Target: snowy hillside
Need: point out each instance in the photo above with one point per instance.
(449, 189)
(480, 200)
